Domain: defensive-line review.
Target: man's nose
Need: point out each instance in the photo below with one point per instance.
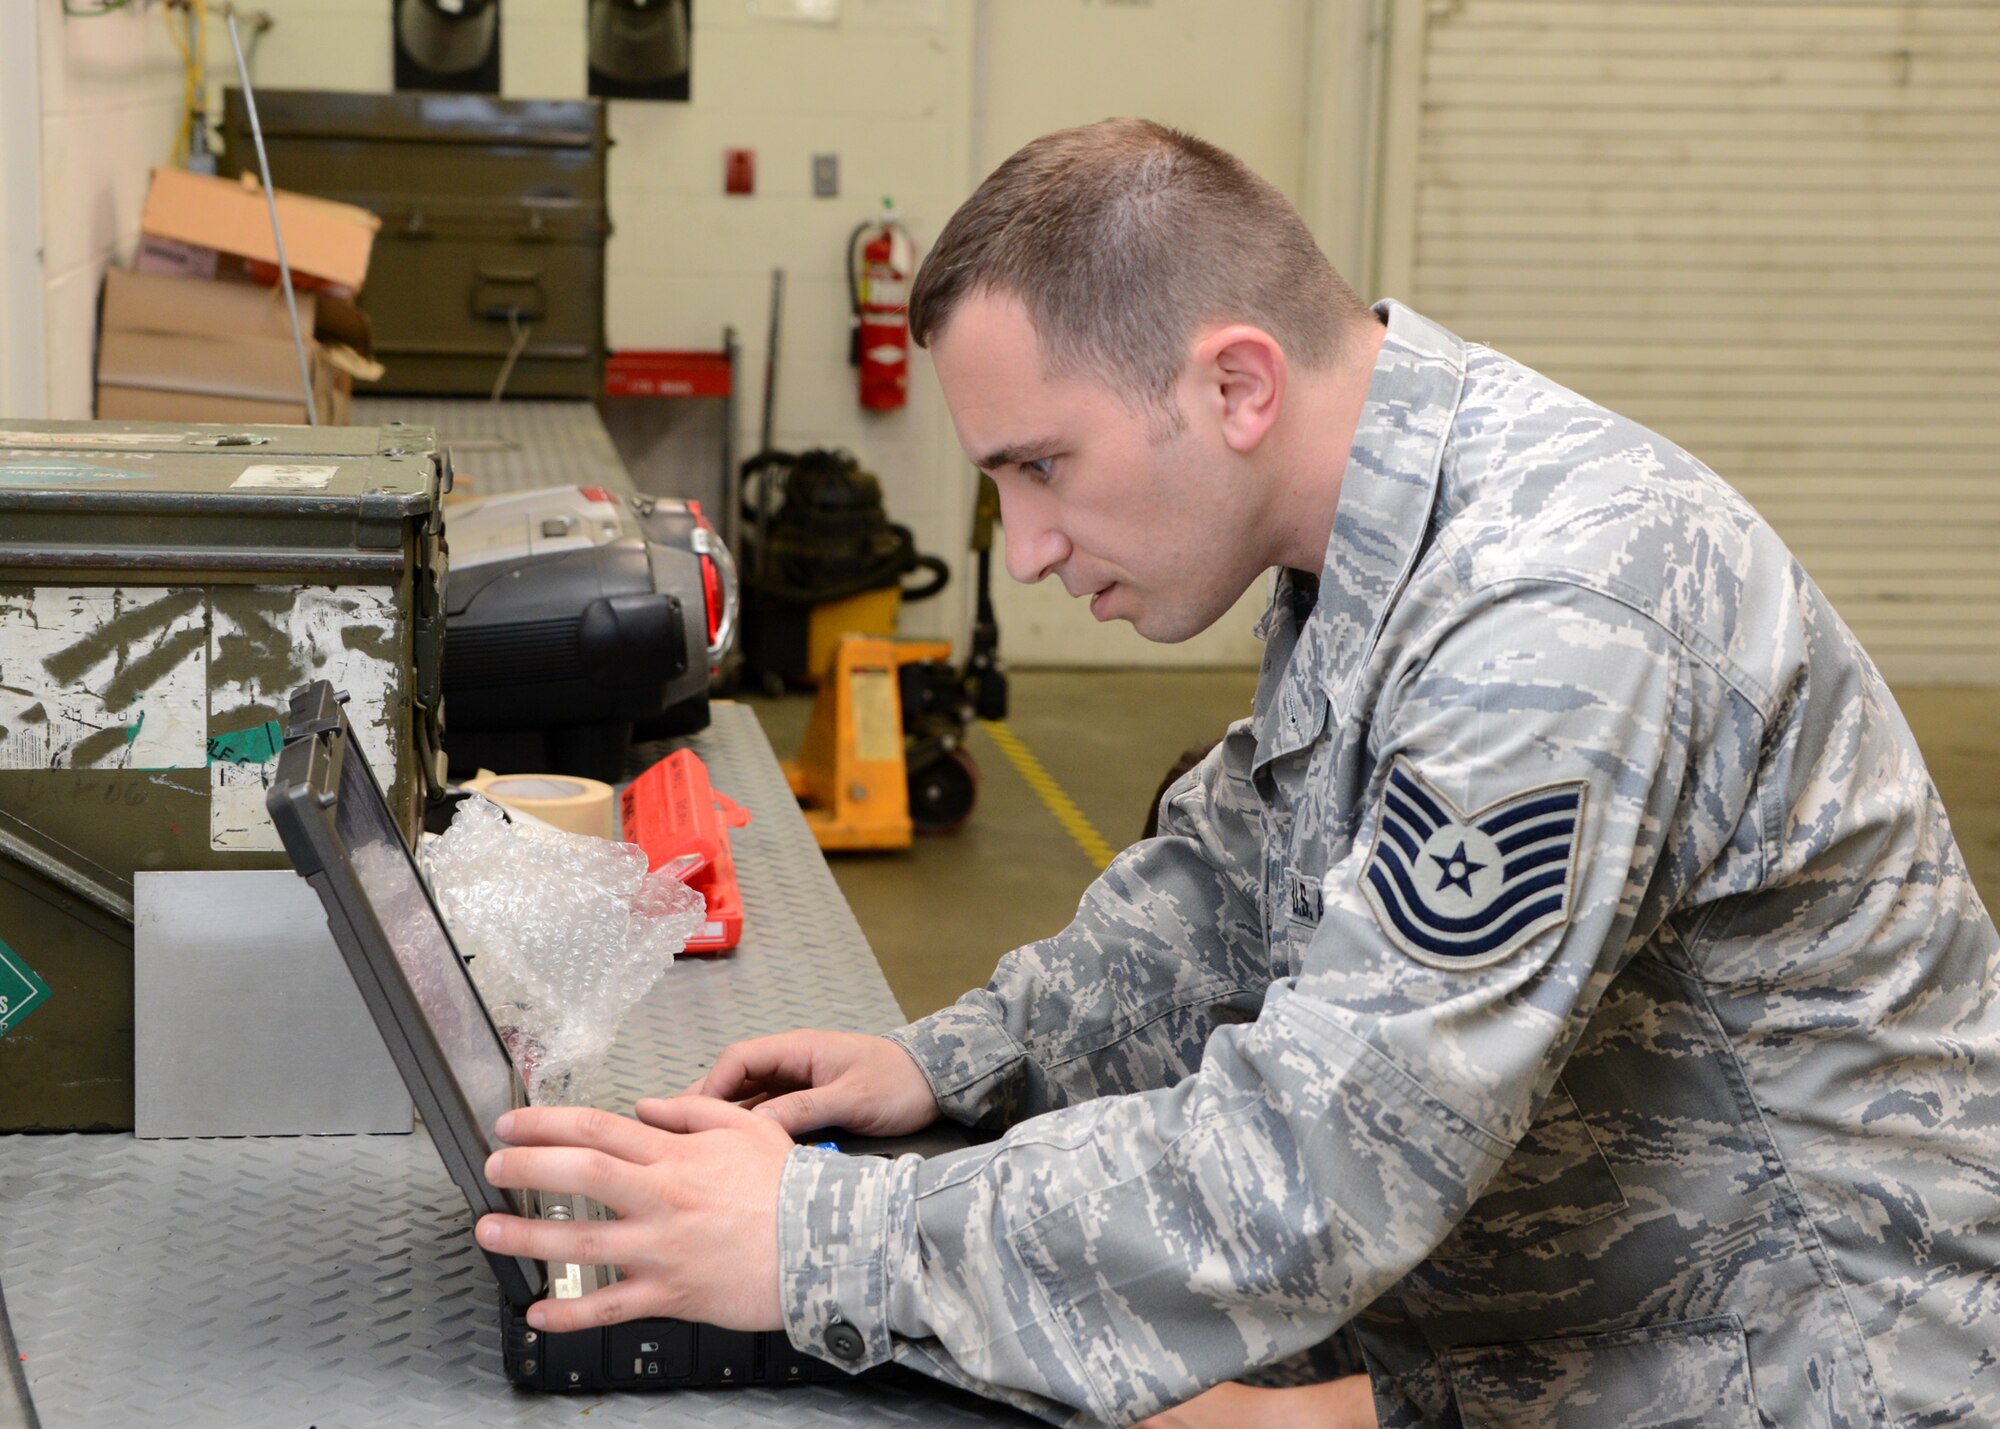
(1035, 547)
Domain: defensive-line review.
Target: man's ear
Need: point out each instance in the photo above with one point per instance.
(1242, 371)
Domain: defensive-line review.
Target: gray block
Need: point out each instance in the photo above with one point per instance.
(245, 1019)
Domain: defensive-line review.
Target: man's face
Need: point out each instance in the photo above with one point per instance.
(1161, 531)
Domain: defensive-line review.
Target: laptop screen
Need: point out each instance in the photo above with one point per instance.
(337, 827)
(416, 934)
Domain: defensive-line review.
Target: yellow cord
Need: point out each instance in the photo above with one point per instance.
(194, 53)
(1051, 794)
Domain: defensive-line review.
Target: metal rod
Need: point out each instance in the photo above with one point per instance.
(109, 899)
(732, 491)
(263, 559)
(19, 1401)
(771, 356)
(764, 473)
(277, 231)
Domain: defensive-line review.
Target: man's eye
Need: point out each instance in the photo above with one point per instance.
(1041, 467)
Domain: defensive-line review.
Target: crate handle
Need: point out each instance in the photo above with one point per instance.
(502, 293)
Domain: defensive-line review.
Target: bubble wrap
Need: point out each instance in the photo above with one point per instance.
(564, 934)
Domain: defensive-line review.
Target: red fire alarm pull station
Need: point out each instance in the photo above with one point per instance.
(739, 171)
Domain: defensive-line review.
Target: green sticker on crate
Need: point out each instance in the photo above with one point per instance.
(21, 992)
(256, 745)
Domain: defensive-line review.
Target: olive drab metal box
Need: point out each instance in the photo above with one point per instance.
(493, 227)
(163, 590)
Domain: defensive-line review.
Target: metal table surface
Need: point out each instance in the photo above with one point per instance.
(333, 1280)
(515, 445)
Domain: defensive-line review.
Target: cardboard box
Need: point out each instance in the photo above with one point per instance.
(180, 377)
(324, 241)
(150, 302)
(176, 260)
(195, 350)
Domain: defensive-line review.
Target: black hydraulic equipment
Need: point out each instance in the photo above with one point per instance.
(816, 533)
(857, 795)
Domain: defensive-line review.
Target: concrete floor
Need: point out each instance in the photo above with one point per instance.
(940, 914)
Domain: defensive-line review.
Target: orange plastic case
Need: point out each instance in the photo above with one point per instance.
(673, 812)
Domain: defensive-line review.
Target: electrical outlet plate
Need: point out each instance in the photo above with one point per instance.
(826, 176)
(805, 12)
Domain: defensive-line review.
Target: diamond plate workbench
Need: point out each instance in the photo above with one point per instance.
(518, 445)
(332, 1281)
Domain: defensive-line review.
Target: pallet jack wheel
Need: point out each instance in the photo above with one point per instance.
(944, 787)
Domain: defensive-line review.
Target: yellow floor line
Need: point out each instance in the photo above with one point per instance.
(1051, 793)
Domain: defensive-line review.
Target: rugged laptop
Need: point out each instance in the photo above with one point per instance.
(336, 826)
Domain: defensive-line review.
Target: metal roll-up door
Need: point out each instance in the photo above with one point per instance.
(1770, 231)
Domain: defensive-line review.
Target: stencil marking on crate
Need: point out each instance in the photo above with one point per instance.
(46, 473)
(265, 642)
(103, 677)
(9, 437)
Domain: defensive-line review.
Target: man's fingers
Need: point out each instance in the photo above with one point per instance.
(684, 1115)
(565, 1242)
(787, 1056)
(590, 1126)
(799, 1111)
(569, 1171)
(744, 1090)
(609, 1306)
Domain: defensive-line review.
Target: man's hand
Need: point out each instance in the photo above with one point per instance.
(694, 1184)
(804, 1080)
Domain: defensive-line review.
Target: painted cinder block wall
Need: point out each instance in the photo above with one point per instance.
(919, 98)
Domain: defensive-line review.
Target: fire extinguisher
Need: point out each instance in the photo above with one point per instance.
(881, 261)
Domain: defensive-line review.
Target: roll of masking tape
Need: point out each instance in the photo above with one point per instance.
(580, 806)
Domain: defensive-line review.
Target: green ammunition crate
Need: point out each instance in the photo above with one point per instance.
(163, 589)
(489, 207)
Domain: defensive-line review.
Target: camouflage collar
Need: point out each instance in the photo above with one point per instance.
(1386, 496)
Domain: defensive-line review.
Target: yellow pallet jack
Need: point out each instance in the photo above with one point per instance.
(856, 773)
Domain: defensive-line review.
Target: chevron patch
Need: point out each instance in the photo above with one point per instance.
(1457, 890)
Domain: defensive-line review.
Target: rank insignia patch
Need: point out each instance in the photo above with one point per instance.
(1459, 890)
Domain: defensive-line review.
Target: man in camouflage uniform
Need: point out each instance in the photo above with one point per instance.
(1566, 976)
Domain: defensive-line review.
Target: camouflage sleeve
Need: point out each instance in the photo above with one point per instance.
(1114, 1257)
(1167, 945)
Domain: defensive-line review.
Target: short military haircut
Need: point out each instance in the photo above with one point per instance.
(1123, 237)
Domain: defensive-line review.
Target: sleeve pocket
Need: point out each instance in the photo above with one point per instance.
(1689, 1374)
(1556, 1181)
